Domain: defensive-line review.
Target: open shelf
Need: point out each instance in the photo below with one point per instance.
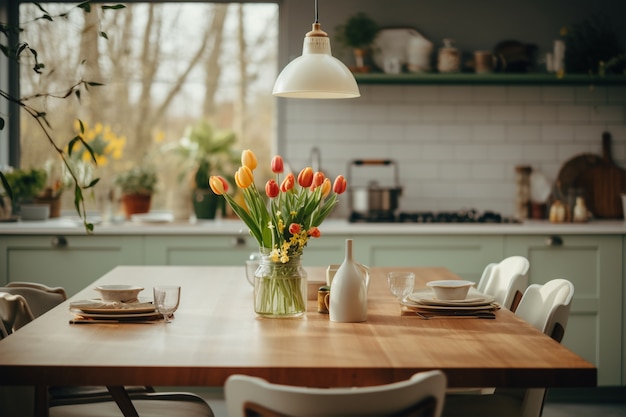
(489, 79)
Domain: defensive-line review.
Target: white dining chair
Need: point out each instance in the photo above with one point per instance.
(14, 312)
(506, 281)
(546, 307)
(421, 395)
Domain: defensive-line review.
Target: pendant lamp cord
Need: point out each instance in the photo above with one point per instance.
(316, 13)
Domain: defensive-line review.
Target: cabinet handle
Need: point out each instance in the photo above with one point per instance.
(240, 242)
(59, 242)
(554, 241)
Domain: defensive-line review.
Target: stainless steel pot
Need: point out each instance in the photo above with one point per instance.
(374, 199)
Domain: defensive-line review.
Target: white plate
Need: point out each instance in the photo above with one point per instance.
(392, 43)
(427, 298)
(98, 307)
(152, 218)
(116, 316)
(423, 307)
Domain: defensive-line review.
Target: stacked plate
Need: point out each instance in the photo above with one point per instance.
(113, 311)
(475, 304)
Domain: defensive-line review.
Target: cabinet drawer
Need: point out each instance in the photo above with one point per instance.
(72, 262)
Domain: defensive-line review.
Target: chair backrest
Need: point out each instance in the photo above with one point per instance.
(547, 307)
(421, 395)
(39, 297)
(14, 312)
(506, 281)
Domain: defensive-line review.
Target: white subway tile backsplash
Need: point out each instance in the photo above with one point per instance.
(573, 114)
(557, 133)
(539, 113)
(457, 146)
(506, 113)
(557, 95)
(482, 133)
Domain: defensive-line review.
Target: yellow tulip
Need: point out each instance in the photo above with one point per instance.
(244, 177)
(218, 184)
(248, 159)
(326, 186)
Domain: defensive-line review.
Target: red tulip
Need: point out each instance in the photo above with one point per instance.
(287, 183)
(314, 232)
(294, 228)
(340, 184)
(277, 164)
(271, 189)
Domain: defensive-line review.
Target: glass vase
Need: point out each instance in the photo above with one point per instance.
(280, 288)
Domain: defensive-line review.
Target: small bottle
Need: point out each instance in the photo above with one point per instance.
(580, 210)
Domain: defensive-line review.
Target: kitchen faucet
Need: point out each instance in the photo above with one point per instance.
(316, 159)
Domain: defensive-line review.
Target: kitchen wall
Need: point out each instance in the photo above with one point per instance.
(456, 146)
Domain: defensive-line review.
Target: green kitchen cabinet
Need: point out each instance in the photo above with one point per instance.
(594, 265)
(229, 250)
(465, 255)
(72, 262)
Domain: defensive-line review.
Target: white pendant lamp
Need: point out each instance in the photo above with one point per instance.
(316, 74)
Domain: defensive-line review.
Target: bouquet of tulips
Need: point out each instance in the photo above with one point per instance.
(296, 207)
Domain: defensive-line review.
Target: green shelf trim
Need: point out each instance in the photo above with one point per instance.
(489, 79)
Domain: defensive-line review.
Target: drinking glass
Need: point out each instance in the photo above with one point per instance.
(166, 300)
(401, 283)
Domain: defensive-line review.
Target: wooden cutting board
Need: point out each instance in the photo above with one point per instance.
(604, 184)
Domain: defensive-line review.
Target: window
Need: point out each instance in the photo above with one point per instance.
(165, 68)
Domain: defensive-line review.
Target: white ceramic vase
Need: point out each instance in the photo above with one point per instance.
(348, 291)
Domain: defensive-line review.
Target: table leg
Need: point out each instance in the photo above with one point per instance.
(123, 401)
(41, 401)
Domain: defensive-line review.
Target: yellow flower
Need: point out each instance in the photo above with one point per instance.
(244, 177)
(248, 159)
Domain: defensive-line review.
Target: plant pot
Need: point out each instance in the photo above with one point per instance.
(206, 203)
(136, 204)
(53, 202)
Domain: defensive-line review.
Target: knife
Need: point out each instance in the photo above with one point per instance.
(457, 314)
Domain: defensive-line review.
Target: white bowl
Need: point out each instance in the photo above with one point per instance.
(121, 292)
(34, 211)
(450, 289)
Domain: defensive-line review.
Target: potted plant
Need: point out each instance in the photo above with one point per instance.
(207, 152)
(25, 185)
(137, 186)
(358, 33)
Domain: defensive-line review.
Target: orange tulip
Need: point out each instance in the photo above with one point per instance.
(244, 177)
(287, 183)
(305, 177)
(314, 232)
(218, 184)
(318, 178)
(271, 189)
(326, 187)
(277, 164)
(340, 184)
(248, 159)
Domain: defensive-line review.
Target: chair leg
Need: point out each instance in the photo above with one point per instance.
(123, 401)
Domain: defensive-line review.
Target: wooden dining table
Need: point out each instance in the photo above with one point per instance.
(216, 333)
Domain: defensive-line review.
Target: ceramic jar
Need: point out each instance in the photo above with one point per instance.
(449, 58)
(348, 299)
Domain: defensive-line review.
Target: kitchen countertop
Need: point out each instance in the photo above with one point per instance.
(72, 226)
